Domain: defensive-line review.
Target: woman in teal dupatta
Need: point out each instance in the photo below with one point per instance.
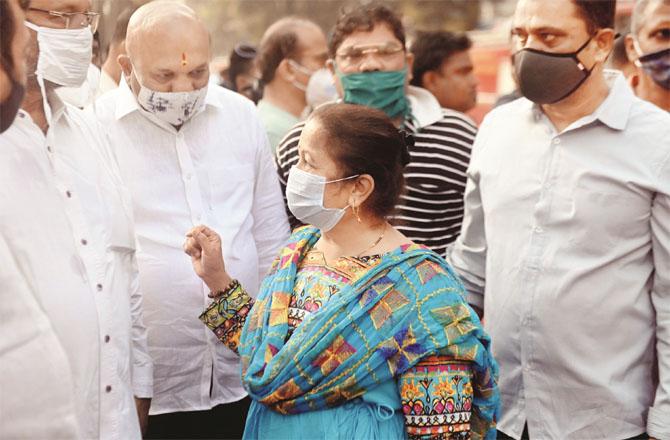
(380, 345)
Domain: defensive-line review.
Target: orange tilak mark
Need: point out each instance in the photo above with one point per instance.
(183, 59)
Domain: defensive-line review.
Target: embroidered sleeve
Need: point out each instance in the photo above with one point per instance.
(436, 396)
(227, 314)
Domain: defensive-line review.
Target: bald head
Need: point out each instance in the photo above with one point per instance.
(168, 48)
(288, 37)
(160, 22)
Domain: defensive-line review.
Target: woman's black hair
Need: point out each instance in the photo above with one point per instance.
(363, 140)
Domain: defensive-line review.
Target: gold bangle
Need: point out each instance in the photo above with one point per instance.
(234, 284)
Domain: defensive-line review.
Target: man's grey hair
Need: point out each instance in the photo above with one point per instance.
(640, 14)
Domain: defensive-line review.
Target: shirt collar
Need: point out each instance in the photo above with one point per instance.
(425, 108)
(127, 102)
(613, 111)
(56, 104)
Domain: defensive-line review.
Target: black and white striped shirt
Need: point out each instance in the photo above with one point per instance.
(430, 211)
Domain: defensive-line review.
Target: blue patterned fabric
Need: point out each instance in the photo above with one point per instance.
(409, 306)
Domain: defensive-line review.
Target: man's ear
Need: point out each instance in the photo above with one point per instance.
(126, 66)
(631, 53)
(330, 64)
(605, 41)
(409, 60)
(285, 71)
(428, 79)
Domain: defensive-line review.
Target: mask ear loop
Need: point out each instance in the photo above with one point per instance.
(45, 101)
(40, 78)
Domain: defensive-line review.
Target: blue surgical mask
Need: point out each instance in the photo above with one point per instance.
(304, 194)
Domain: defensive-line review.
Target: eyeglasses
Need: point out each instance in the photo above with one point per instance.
(354, 55)
(70, 20)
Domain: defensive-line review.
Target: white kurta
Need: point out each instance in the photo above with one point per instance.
(68, 227)
(216, 170)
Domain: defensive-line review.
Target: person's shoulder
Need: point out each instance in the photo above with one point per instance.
(430, 266)
(645, 115)
(454, 121)
(288, 146)
(104, 106)
(449, 115)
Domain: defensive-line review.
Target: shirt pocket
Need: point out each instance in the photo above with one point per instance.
(614, 213)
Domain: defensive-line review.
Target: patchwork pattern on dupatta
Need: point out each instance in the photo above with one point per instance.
(408, 307)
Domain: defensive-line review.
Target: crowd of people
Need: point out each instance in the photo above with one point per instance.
(328, 246)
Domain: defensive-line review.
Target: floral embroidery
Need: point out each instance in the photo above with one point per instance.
(436, 397)
(226, 315)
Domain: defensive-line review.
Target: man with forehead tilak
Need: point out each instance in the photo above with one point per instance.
(190, 154)
(67, 225)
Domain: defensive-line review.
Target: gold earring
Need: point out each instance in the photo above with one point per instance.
(356, 210)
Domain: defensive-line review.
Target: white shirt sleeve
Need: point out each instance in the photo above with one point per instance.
(142, 367)
(36, 387)
(271, 228)
(658, 421)
(468, 254)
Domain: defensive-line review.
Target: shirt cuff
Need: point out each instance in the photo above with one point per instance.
(143, 381)
(476, 299)
(658, 424)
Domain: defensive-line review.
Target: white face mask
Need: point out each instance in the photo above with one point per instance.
(320, 89)
(304, 194)
(175, 108)
(85, 94)
(300, 68)
(65, 54)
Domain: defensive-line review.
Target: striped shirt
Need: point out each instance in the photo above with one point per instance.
(430, 211)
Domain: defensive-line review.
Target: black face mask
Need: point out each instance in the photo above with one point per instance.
(547, 77)
(10, 106)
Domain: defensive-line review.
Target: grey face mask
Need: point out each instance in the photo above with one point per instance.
(547, 77)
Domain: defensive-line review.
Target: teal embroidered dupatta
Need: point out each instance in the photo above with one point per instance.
(409, 306)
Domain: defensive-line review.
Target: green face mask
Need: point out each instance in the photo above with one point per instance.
(381, 90)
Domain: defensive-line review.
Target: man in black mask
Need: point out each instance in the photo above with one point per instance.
(565, 243)
(12, 61)
(648, 46)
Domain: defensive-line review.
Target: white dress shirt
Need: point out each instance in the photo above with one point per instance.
(216, 170)
(66, 221)
(36, 390)
(566, 244)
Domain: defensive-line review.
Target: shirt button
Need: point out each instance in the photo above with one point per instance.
(107, 338)
(188, 176)
(99, 287)
(68, 194)
(538, 229)
(557, 141)
(108, 388)
(49, 148)
(84, 241)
